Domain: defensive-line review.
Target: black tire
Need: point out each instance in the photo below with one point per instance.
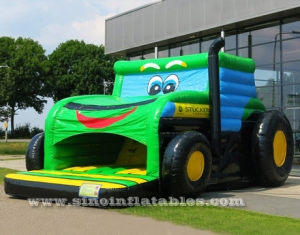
(272, 148)
(182, 178)
(35, 153)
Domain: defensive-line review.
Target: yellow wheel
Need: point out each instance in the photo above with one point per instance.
(279, 148)
(195, 166)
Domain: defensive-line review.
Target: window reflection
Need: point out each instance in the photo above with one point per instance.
(268, 88)
(264, 35)
(263, 54)
(230, 41)
(291, 49)
(163, 52)
(175, 49)
(191, 47)
(149, 54)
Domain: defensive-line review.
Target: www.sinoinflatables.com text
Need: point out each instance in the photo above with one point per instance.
(136, 201)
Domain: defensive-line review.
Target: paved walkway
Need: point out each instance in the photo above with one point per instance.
(295, 170)
(15, 140)
(16, 162)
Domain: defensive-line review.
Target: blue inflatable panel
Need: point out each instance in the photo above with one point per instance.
(237, 76)
(231, 124)
(168, 110)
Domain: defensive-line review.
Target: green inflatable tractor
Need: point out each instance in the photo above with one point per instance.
(173, 127)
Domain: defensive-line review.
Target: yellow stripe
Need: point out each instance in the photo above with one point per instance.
(78, 168)
(132, 171)
(42, 179)
(139, 173)
(136, 180)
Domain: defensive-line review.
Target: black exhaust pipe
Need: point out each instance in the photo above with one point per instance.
(214, 95)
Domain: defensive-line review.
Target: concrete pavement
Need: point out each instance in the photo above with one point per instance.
(281, 201)
(15, 140)
(16, 162)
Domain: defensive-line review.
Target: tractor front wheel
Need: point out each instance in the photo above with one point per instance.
(187, 165)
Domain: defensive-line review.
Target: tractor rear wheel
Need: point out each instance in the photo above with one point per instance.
(272, 148)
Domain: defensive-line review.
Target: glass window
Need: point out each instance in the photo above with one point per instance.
(135, 56)
(292, 25)
(243, 39)
(265, 35)
(268, 88)
(175, 49)
(291, 95)
(263, 77)
(269, 95)
(291, 88)
(293, 116)
(207, 41)
(291, 73)
(232, 52)
(265, 54)
(230, 40)
(261, 33)
(149, 54)
(163, 52)
(291, 49)
(191, 47)
(243, 52)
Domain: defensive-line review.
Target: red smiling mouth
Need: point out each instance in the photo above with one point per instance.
(101, 122)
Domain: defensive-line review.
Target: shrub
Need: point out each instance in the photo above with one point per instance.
(24, 131)
(34, 131)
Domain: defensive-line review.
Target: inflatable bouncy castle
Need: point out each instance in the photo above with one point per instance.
(173, 126)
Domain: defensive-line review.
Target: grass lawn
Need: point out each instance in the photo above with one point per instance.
(11, 148)
(219, 219)
(5, 171)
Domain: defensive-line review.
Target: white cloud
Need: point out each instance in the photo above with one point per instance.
(51, 22)
(91, 31)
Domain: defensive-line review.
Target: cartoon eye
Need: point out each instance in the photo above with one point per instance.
(155, 85)
(170, 84)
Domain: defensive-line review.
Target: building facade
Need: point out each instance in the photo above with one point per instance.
(267, 31)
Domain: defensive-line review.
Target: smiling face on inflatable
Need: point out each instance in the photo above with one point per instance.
(159, 79)
(148, 78)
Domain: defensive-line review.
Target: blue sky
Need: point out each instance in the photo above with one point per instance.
(51, 22)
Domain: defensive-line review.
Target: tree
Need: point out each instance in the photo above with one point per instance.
(79, 69)
(23, 80)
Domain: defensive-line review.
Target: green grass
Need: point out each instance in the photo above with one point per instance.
(219, 219)
(5, 171)
(11, 148)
